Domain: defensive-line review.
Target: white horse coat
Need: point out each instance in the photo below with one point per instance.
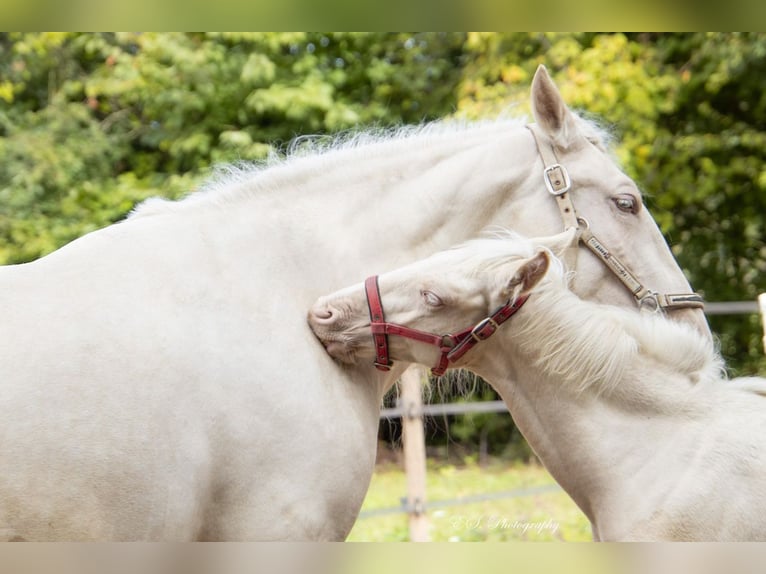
(158, 380)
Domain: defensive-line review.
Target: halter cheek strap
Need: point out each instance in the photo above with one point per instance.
(377, 318)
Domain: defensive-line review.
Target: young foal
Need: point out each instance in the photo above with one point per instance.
(630, 413)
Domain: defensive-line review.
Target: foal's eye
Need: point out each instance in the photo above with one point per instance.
(432, 299)
(626, 203)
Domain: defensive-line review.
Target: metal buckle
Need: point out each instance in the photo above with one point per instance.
(556, 179)
(481, 325)
(650, 303)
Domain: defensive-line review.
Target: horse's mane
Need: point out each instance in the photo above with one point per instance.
(608, 340)
(307, 157)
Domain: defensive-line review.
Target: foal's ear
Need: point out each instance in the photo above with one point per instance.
(550, 111)
(527, 276)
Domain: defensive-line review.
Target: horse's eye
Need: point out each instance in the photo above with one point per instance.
(432, 299)
(626, 203)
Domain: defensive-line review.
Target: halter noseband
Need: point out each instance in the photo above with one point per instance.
(451, 346)
(557, 182)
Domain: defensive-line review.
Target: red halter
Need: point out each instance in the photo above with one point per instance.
(452, 347)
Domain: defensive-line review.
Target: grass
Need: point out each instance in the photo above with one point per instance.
(545, 516)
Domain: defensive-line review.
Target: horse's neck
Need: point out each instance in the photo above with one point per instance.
(592, 438)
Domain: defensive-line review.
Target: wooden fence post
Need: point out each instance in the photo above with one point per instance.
(413, 438)
(762, 305)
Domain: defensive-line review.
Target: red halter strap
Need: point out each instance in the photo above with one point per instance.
(452, 347)
(377, 318)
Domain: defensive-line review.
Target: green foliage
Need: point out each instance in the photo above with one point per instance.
(707, 170)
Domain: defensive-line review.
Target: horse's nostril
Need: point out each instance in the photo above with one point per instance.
(323, 314)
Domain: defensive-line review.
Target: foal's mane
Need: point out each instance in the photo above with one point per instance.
(608, 341)
(309, 157)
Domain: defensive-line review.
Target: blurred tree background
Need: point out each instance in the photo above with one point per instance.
(90, 124)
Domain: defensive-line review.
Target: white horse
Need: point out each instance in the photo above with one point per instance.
(158, 380)
(629, 412)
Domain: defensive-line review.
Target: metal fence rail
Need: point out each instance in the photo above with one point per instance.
(436, 410)
(731, 308)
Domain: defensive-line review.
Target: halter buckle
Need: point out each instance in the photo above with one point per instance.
(484, 329)
(650, 303)
(556, 179)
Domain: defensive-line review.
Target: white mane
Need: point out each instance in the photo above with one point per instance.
(309, 157)
(608, 341)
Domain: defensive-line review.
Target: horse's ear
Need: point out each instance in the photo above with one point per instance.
(550, 111)
(527, 276)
